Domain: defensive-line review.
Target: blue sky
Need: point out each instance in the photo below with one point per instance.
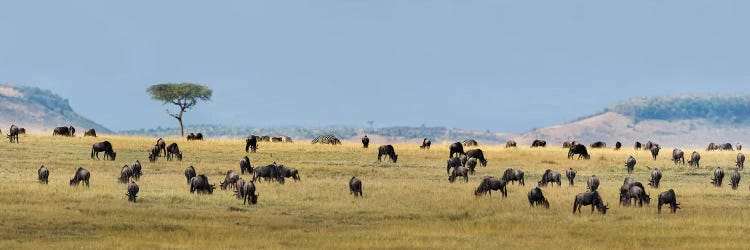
(498, 65)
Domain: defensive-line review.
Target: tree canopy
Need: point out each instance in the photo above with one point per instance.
(183, 95)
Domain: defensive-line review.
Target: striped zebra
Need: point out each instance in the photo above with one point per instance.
(326, 139)
(470, 143)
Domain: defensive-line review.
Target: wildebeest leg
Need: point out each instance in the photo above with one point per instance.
(658, 208)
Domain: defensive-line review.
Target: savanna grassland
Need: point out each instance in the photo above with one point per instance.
(407, 205)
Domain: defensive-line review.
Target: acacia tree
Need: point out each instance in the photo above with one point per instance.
(183, 95)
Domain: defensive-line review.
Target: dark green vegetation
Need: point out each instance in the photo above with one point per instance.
(714, 108)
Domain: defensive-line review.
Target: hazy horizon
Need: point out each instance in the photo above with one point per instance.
(502, 66)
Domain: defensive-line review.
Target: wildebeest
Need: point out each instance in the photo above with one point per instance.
(712, 146)
(598, 144)
(593, 183)
(81, 175)
(550, 176)
(638, 194)
(268, 173)
(718, 177)
(287, 172)
(456, 148)
(490, 183)
(735, 181)
(655, 178)
(21, 131)
(511, 144)
(459, 171)
(389, 151)
(248, 193)
(638, 145)
(189, 173)
(89, 133)
(477, 153)
(668, 197)
(266, 138)
(154, 155)
(538, 144)
(571, 175)
(740, 161)
(618, 145)
(471, 164)
(61, 131)
(245, 165)
(695, 160)
(13, 133)
(251, 144)
(630, 164)
(453, 163)
(738, 146)
(277, 139)
(355, 187)
(727, 147)
(626, 192)
(105, 147)
(677, 156)
(125, 174)
(195, 137)
(649, 145)
(365, 142)
(567, 144)
(137, 170)
(513, 175)
(172, 151)
(536, 198)
(200, 184)
(132, 193)
(655, 151)
(43, 175)
(72, 131)
(579, 150)
(230, 179)
(161, 146)
(592, 199)
(426, 143)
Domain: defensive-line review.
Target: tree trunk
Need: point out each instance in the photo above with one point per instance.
(182, 128)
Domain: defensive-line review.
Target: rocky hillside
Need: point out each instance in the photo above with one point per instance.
(673, 121)
(39, 111)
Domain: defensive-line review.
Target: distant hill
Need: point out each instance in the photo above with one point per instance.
(348, 133)
(39, 111)
(684, 121)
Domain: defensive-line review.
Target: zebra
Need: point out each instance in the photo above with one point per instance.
(470, 143)
(326, 139)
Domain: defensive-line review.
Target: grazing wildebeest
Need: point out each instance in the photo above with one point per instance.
(550, 176)
(511, 144)
(105, 147)
(579, 150)
(453, 163)
(189, 173)
(248, 193)
(538, 144)
(567, 144)
(456, 148)
(355, 187)
(463, 158)
(513, 175)
(43, 175)
(649, 145)
(598, 144)
(718, 177)
(740, 161)
(727, 146)
(389, 151)
(655, 151)
(172, 151)
(630, 164)
(735, 181)
(655, 178)
(239, 188)
(245, 165)
(639, 194)
(154, 155)
(61, 131)
(72, 131)
(426, 143)
(251, 144)
(618, 145)
(490, 183)
(712, 146)
(638, 145)
(132, 191)
(200, 184)
(125, 174)
(738, 146)
(162, 147)
(477, 153)
(190, 137)
(13, 133)
(677, 156)
(471, 164)
(571, 175)
(268, 173)
(592, 199)
(137, 170)
(287, 139)
(277, 139)
(459, 171)
(197, 137)
(287, 172)
(695, 160)
(89, 133)
(593, 183)
(81, 175)
(536, 197)
(229, 180)
(365, 142)
(265, 138)
(668, 197)
(21, 131)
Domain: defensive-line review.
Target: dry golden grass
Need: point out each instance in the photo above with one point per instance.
(406, 205)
